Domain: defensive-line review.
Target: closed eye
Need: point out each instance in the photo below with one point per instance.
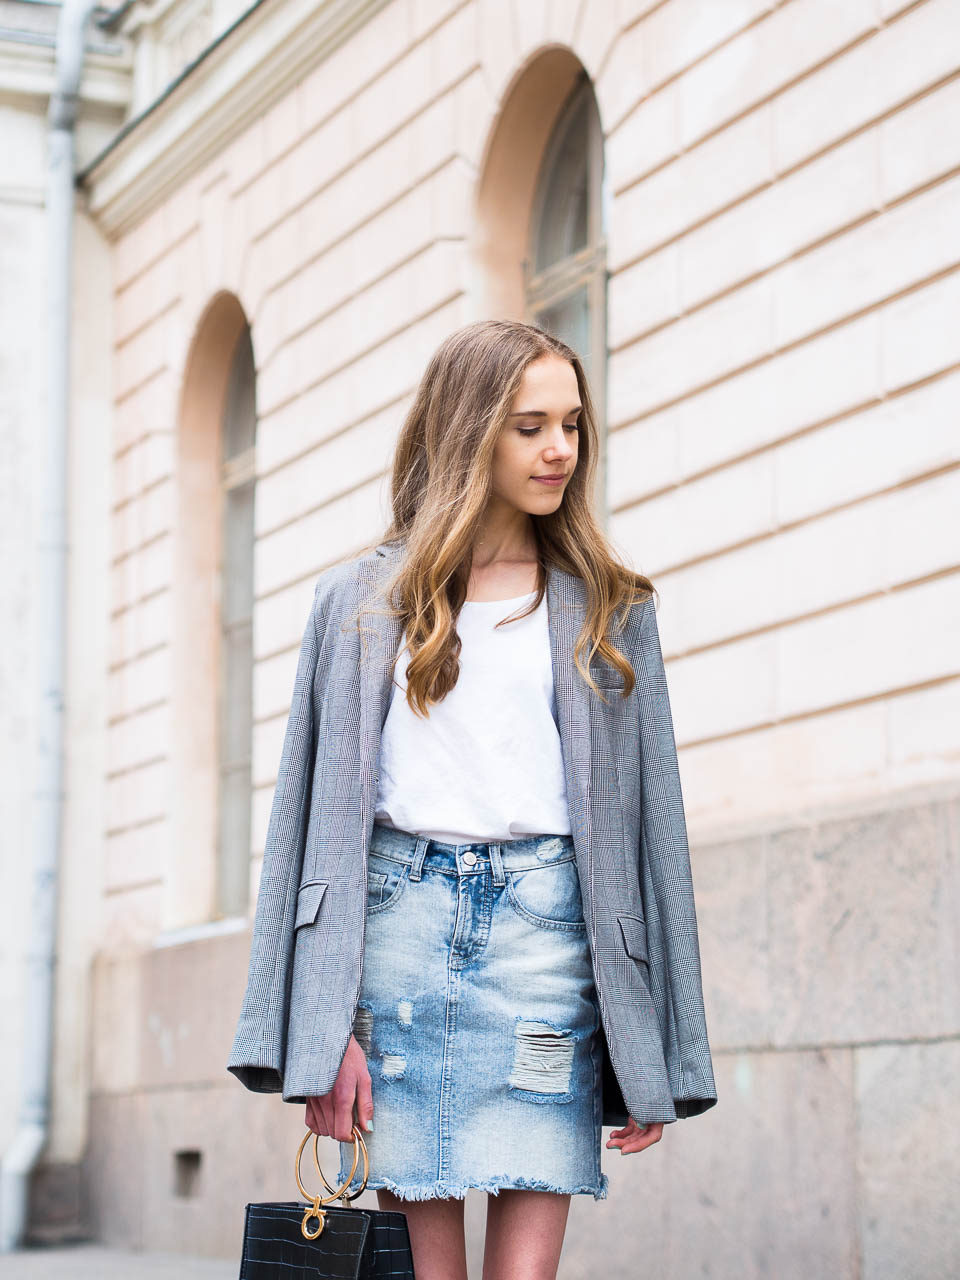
(532, 431)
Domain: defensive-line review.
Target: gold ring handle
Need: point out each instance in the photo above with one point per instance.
(313, 1210)
(335, 1194)
(358, 1146)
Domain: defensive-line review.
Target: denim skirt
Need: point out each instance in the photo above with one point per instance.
(479, 1019)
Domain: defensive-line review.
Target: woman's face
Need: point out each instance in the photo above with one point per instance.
(540, 438)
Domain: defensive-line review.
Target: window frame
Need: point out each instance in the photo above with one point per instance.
(586, 268)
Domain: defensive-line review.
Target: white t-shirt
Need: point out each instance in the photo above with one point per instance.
(487, 763)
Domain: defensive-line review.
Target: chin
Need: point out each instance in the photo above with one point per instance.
(549, 502)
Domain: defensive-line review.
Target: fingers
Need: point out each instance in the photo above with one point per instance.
(634, 1137)
(326, 1110)
(628, 1130)
(343, 1098)
(315, 1119)
(364, 1099)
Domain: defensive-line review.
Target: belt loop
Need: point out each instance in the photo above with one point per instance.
(496, 863)
(418, 857)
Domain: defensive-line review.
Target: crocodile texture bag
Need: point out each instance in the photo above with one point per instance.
(290, 1240)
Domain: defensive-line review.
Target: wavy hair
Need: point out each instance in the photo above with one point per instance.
(441, 482)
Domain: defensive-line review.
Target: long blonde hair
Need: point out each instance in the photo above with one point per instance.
(441, 482)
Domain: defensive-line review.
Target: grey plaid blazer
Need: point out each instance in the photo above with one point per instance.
(628, 827)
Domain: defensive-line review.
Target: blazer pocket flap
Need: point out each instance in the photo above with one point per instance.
(634, 930)
(308, 902)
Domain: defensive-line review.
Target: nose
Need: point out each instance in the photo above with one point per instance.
(560, 447)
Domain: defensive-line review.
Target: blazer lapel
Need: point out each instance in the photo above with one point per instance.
(380, 637)
(566, 611)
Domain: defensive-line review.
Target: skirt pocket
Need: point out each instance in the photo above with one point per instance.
(386, 881)
(548, 895)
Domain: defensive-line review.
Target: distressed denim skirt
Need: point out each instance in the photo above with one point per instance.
(479, 1019)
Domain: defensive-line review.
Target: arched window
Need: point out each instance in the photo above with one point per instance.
(565, 275)
(235, 703)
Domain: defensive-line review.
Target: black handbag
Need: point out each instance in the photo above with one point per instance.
(290, 1240)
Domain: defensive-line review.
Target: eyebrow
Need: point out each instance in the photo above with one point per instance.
(539, 413)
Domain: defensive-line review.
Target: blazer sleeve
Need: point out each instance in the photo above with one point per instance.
(257, 1056)
(668, 888)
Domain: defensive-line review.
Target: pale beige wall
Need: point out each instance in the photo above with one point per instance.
(339, 226)
(783, 389)
(781, 438)
(783, 201)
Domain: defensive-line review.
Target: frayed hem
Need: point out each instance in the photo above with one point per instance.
(493, 1186)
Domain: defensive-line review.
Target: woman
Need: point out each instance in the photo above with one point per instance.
(480, 706)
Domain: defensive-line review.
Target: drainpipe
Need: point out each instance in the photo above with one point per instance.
(49, 570)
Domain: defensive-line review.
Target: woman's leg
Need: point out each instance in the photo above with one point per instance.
(524, 1235)
(436, 1235)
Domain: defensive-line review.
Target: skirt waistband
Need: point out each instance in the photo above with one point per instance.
(476, 857)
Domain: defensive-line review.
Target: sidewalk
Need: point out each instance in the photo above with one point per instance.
(94, 1262)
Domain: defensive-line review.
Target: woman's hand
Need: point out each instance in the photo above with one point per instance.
(331, 1116)
(635, 1137)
